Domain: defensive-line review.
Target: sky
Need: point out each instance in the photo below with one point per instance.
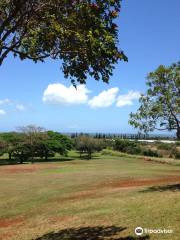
(149, 34)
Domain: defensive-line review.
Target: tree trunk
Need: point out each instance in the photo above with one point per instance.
(21, 161)
(46, 155)
(89, 155)
(32, 155)
(10, 156)
(178, 133)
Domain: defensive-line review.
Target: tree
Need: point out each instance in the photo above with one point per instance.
(32, 142)
(54, 143)
(88, 145)
(2, 146)
(11, 140)
(81, 33)
(33, 135)
(22, 152)
(14, 144)
(160, 106)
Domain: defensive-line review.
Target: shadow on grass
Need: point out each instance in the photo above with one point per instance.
(8, 162)
(133, 238)
(50, 160)
(62, 159)
(89, 233)
(172, 187)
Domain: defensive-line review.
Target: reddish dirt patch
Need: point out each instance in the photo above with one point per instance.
(18, 169)
(60, 219)
(6, 236)
(27, 170)
(4, 223)
(141, 182)
(24, 168)
(97, 191)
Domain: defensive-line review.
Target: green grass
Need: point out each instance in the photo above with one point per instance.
(88, 193)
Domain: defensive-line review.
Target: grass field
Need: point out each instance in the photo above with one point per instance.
(103, 198)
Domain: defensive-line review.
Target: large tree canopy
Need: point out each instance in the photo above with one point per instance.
(160, 106)
(32, 142)
(81, 33)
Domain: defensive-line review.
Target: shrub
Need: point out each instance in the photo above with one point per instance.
(177, 155)
(133, 150)
(174, 153)
(126, 146)
(112, 153)
(151, 153)
(165, 146)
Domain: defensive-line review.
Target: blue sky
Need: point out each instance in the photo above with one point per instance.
(149, 34)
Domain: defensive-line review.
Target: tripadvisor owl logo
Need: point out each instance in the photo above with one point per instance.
(138, 231)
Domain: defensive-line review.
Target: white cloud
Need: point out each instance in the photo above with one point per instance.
(2, 112)
(60, 94)
(127, 99)
(20, 107)
(5, 101)
(104, 99)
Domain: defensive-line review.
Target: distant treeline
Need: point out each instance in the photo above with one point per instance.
(122, 136)
(31, 143)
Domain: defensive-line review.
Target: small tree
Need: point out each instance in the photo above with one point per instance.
(2, 146)
(88, 145)
(22, 152)
(11, 140)
(160, 106)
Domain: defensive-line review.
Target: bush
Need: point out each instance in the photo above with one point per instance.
(151, 153)
(133, 150)
(112, 153)
(126, 146)
(132, 147)
(165, 146)
(177, 155)
(174, 153)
